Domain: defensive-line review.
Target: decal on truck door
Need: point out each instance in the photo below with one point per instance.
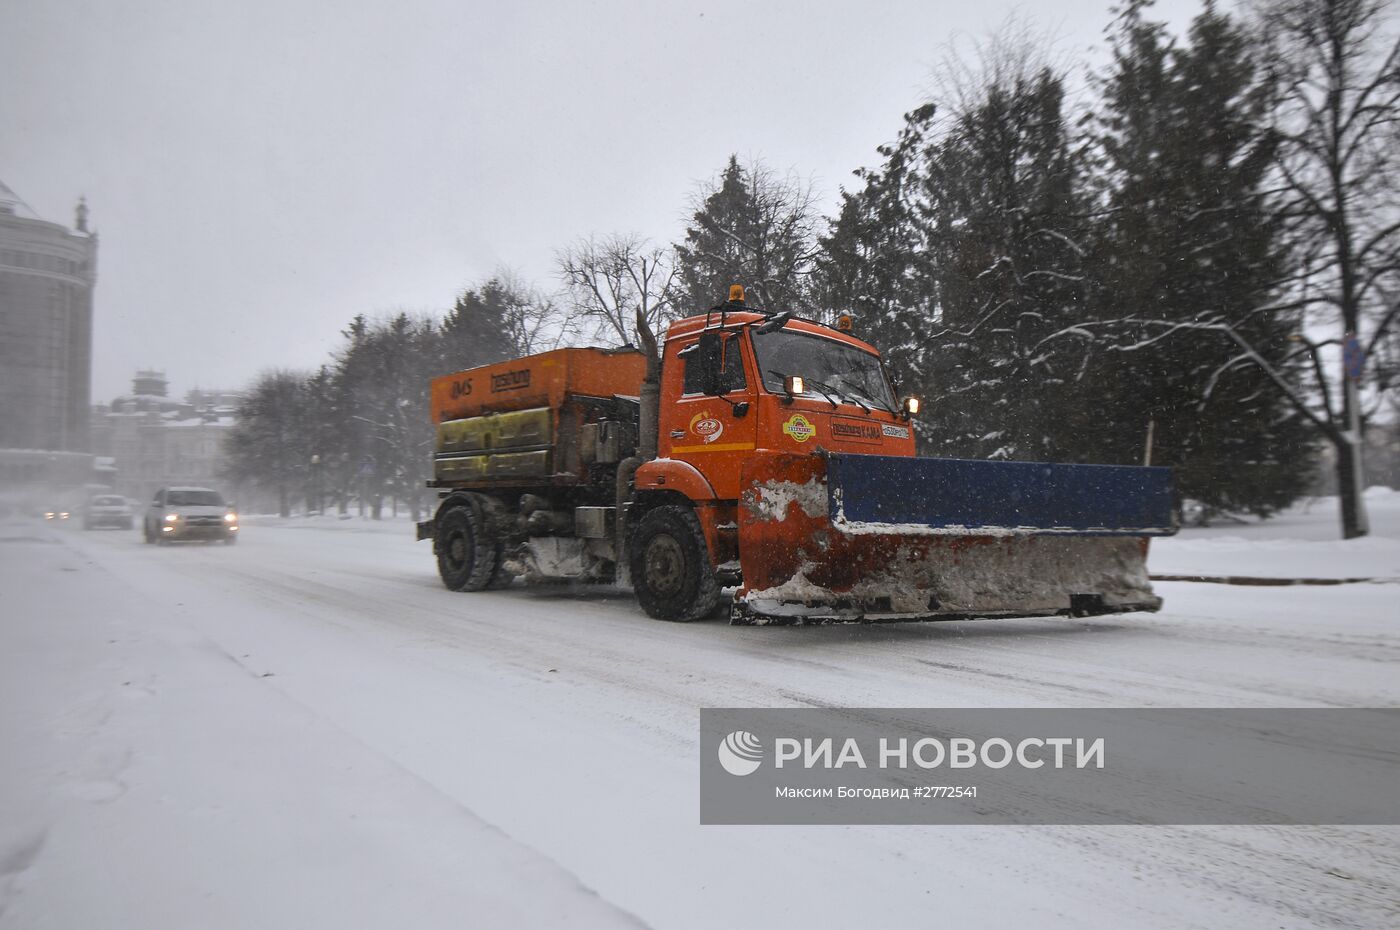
(706, 427)
(799, 428)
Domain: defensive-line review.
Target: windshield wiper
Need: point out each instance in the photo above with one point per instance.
(830, 393)
(855, 396)
(883, 406)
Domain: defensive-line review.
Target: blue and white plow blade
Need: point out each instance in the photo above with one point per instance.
(865, 537)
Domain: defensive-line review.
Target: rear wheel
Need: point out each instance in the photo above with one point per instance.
(670, 564)
(466, 556)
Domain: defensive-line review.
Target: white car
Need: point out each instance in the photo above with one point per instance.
(108, 510)
(189, 513)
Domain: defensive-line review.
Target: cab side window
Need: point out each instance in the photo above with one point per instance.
(733, 368)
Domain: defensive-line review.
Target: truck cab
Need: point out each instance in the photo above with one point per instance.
(741, 387)
(738, 386)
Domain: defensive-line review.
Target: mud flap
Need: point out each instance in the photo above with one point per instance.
(426, 529)
(876, 538)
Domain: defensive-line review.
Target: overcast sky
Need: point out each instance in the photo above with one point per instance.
(260, 171)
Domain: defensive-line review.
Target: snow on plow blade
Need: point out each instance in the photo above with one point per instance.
(837, 537)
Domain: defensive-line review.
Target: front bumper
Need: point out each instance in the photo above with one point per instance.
(181, 531)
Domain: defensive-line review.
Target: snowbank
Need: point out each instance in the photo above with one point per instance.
(1301, 542)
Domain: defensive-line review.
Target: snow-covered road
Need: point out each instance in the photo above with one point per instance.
(307, 730)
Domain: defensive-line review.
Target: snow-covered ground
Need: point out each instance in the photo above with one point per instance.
(1299, 543)
(307, 730)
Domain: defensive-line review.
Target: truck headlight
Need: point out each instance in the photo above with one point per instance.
(911, 406)
(794, 385)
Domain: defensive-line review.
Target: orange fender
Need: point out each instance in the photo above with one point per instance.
(674, 475)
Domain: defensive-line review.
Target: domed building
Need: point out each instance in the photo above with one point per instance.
(47, 273)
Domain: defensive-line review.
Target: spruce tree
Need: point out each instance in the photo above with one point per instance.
(752, 228)
(869, 261)
(477, 330)
(1003, 227)
(1189, 241)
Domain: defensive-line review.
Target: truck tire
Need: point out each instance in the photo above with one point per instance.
(670, 564)
(466, 557)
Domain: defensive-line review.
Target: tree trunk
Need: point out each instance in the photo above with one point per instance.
(284, 501)
(1351, 482)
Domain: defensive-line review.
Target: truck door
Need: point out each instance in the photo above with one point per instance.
(715, 433)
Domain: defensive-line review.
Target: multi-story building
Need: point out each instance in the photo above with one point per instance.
(46, 280)
(47, 272)
(155, 440)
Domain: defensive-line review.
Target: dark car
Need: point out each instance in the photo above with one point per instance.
(189, 513)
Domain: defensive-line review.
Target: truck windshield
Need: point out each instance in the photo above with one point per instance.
(831, 366)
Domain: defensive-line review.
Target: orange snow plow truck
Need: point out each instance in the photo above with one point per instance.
(767, 453)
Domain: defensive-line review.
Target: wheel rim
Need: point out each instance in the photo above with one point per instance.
(665, 565)
(457, 551)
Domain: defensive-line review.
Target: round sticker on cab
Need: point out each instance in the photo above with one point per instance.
(706, 427)
(799, 428)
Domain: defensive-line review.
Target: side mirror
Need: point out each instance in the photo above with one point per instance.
(774, 323)
(710, 357)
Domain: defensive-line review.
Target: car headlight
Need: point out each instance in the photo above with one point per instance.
(230, 518)
(171, 517)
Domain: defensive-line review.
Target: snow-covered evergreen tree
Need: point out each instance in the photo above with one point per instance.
(869, 264)
(1003, 225)
(750, 227)
(1188, 240)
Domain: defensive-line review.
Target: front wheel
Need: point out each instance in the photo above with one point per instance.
(466, 556)
(670, 564)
